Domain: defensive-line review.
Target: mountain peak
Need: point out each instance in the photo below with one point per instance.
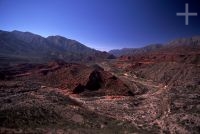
(20, 32)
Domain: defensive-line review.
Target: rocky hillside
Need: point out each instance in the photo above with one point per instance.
(26, 47)
(76, 78)
(176, 63)
(28, 103)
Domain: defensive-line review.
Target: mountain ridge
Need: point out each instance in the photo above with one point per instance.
(191, 43)
(20, 46)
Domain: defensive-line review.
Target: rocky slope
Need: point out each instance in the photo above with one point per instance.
(28, 107)
(44, 98)
(76, 78)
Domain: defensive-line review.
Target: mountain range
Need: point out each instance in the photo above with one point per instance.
(17, 46)
(25, 47)
(176, 46)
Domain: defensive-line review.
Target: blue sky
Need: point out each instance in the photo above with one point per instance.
(102, 24)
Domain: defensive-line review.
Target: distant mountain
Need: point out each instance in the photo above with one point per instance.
(19, 46)
(133, 51)
(183, 45)
(176, 46)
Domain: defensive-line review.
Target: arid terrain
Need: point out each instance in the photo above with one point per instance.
(155, 91)
(103, 98)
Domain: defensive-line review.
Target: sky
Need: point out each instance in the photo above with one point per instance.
(103, 24)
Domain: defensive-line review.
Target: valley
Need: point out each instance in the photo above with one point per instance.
(147, 107)
(155, 89)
